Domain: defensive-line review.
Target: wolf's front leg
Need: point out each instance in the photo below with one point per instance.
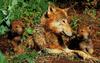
(53, 51)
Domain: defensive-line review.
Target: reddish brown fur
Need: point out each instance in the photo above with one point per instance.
(86, 45)
(56, 20)
(17, 26)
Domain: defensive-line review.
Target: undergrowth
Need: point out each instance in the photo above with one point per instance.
(15, 9)
(28, 57)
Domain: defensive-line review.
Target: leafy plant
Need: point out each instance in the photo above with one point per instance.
(15, 9)
(4, 23)
(3, 29)
(29, 30)
(39, 7)
(74, 22)
(2, 58)
(91, 12)
(89, 2)
(26, 57)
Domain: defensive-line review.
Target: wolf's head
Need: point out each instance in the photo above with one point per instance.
(56, 20)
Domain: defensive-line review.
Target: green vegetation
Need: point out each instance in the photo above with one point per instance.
(14, 9)
(74, 23)
(2, 58)
(90, 11)
(29, 30)
(26, 57)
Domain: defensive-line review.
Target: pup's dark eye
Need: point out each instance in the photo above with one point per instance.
(17, 26)
(90, 27)
(81, 30)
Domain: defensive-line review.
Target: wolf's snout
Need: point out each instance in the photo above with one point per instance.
(68, 33)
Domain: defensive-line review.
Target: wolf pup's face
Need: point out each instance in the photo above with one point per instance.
(56, 20)
(84, 31)
(17, 26)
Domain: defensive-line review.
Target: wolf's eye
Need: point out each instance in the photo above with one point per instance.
(63, 21)
(51, 9)
(46, 15)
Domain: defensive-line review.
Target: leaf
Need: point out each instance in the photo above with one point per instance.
(74, 22)
(3, 29)
(29, 30)
(2, 58)
(1, 16)
(94, 12)
(8, 22)
(14, 2)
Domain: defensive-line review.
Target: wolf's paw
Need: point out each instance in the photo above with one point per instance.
(93, 60)
(86, 56)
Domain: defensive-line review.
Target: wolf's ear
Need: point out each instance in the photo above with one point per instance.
(51, 8)
(66, 9)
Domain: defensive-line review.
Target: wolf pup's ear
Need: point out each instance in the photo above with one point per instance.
(51, 8)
